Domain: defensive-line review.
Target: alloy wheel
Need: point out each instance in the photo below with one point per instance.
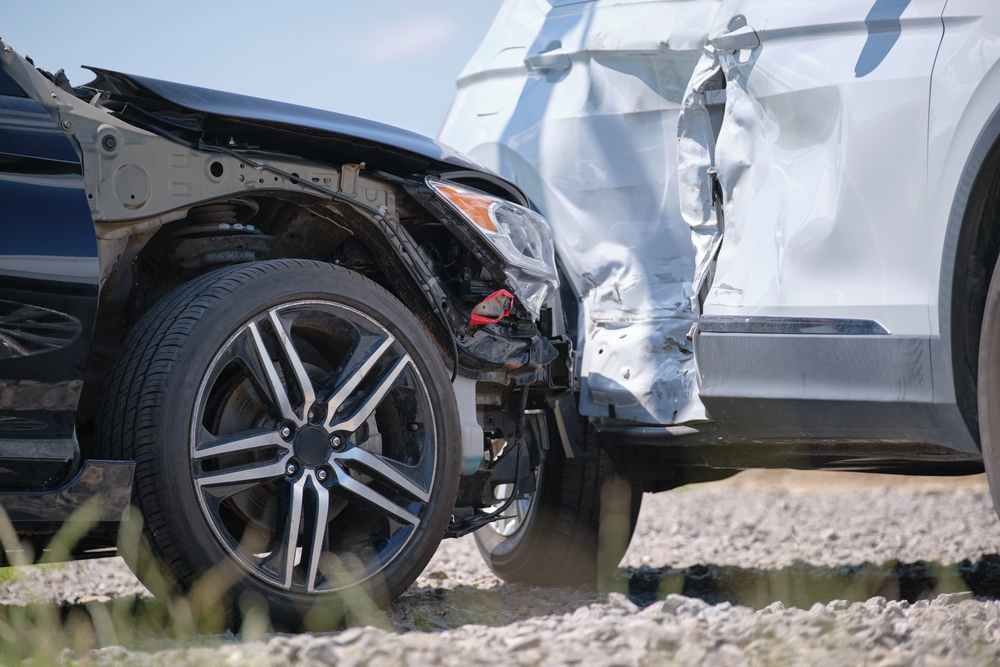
(312, 446)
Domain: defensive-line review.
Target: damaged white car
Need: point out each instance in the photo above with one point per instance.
(776, 223)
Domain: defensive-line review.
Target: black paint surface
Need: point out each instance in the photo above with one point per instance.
(49, 277)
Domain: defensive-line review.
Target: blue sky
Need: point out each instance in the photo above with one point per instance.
(394, 61)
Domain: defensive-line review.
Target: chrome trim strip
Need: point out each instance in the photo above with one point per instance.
(790, 325)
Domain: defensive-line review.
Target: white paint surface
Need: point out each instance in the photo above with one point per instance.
(838, 168)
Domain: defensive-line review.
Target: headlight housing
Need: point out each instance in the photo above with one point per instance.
(522, 237)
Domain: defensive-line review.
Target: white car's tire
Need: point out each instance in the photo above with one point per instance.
(554, 537)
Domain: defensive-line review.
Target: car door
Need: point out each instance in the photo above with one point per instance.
(49, 276)
(823, 159)
(611, 127)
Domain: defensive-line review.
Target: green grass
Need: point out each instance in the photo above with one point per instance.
(51, 634)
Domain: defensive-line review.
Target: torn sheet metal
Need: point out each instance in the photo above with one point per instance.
(697, 129)
(593, 138)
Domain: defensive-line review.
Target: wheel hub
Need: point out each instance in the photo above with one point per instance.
(312, 446)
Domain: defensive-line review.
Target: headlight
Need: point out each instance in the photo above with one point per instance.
(522, 237)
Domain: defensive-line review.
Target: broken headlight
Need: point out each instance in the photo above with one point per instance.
(522, 237)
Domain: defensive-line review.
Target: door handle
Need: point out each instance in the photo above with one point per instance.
(737, 40)
(557, 59)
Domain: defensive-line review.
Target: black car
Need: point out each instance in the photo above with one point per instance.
(303, 347)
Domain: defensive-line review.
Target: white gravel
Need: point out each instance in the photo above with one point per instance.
(747, 528)
(951, 630)
(798, 573)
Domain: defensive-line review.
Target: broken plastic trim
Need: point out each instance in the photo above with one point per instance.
(492, 309)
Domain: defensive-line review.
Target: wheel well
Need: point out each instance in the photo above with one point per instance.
(180, 251)
(281, 229)
(976, 256)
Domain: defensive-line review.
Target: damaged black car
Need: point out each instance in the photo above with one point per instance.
(300, 346)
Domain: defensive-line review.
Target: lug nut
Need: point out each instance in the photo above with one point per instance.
(291, 469)
(321, 475)
(413, 427)
(336, 442)
(286, 432)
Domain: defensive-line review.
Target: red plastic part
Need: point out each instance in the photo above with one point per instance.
(479, 319)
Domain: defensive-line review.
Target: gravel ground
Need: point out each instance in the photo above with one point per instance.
(765, 568)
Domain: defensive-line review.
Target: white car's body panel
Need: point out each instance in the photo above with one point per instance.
(965, 94)
(818, 222)
(595, 147)
(846, 133)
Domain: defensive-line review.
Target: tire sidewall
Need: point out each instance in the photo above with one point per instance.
(989, 389)
(558, 544)
(183, 518)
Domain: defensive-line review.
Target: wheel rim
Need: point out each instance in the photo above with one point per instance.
(516, 515)
(312, 446)
(513, 517)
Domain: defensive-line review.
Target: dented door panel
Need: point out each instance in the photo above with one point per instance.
(701, 158)
(590, 133)
(818, 221)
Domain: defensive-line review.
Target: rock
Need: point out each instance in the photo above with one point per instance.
(620, 601)
(876, 603)
(84, 599)
(946, 599)
(773, 608)
(525, 644)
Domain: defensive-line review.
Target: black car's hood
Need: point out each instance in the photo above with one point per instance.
(333, 135)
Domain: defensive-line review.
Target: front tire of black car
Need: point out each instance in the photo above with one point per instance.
(294, 434)
(575, 527)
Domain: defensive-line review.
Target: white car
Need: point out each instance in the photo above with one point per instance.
(777, 223)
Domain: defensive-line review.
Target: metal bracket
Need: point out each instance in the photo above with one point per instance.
(568, 425)
(349, 178)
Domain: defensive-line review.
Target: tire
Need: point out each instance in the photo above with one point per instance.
(210, 396)
(555, 536)
(989, 389)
